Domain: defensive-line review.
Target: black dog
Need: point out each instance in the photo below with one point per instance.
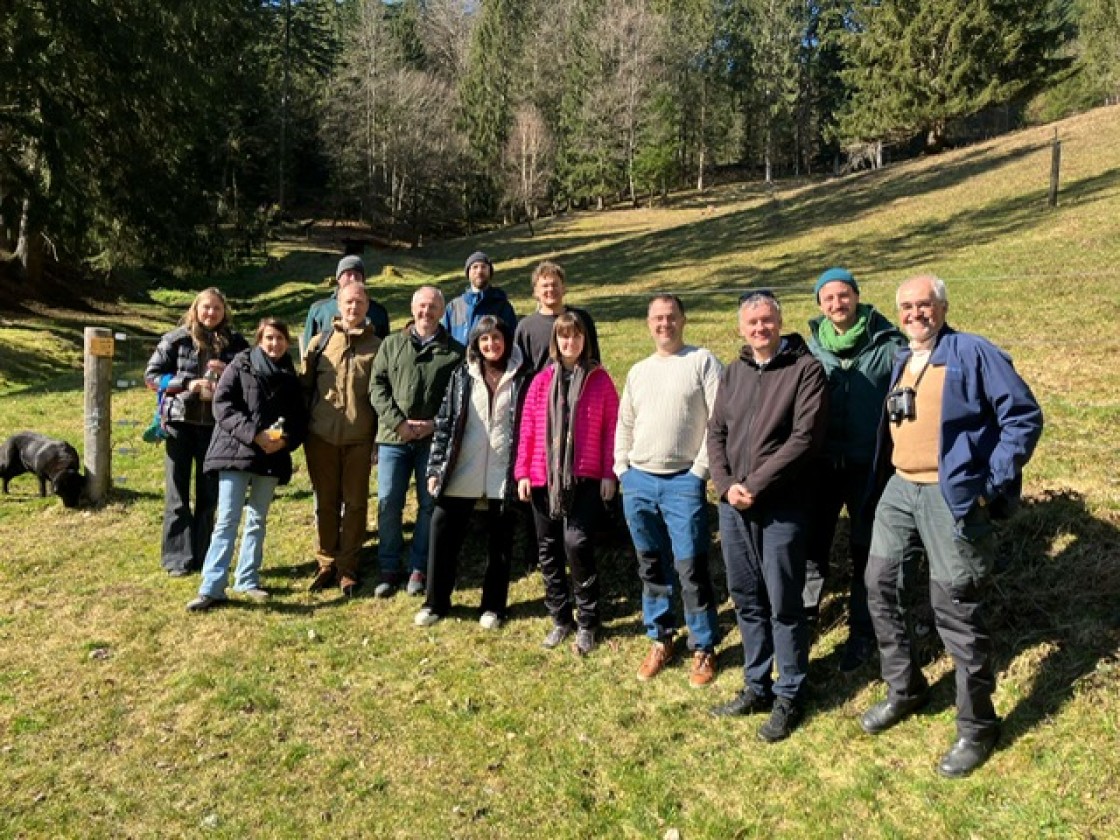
(51, 460)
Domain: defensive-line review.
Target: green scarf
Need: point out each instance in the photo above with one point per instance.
(842, 345)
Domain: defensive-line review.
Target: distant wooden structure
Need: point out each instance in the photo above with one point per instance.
(1055, 169)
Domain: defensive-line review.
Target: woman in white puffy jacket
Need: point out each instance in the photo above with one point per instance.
(471, 459)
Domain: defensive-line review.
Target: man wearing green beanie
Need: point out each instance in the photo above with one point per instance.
(856, 345)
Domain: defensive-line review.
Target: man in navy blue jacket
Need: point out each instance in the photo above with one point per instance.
(959, 425)
(480, 298)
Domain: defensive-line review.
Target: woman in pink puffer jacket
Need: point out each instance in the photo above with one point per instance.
(564, 467)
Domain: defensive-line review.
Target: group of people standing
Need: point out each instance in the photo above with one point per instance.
(921, 434)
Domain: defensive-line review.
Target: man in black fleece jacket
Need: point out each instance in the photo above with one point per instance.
(769, 420)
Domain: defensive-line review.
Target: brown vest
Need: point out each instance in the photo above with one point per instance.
(917, 441)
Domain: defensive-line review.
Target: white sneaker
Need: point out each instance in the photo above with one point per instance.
(490, 621)
(425, 618)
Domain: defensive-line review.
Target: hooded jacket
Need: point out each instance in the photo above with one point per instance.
(244, 405)
(466, 387)
(768, 421)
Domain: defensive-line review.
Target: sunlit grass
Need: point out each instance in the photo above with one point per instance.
(122, 715)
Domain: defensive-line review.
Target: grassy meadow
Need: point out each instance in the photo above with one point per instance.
(123, 716)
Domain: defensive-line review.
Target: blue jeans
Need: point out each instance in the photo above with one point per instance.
(764, 550)
(397, 463)
(232, 487)
(668, 520)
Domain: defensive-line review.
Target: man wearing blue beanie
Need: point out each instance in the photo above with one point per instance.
(856, 345)
(480, 298)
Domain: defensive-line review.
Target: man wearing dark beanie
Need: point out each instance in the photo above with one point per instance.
(322, 313)
(856, 345)
(479, 299)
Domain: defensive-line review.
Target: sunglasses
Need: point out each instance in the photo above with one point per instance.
(750, 294)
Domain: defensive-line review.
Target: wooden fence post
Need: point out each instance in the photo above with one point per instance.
(98, 412)
(1055, 169)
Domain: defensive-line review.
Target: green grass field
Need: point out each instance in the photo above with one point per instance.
(122, 715)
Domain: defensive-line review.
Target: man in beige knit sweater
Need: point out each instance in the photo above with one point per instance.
(958, 427)
(662, 463)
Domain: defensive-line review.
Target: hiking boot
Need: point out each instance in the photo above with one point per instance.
(416, 584)
(256, 594)
(703, 669)
(425, 618)
(585, 641)
(202, 603)
(556, 635)
(660, 653)
(323, 578)
(348, 585)
(746, 702)
(490, 621)
(785, 715)
(858, 650)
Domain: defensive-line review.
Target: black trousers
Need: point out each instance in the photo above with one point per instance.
(567, 543)
(186, 532)
(450, 522)
(961, 561)
(837, 488)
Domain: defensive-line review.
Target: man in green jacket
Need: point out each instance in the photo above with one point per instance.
(410, 376)
(857, 346)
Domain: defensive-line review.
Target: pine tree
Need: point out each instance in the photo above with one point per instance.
(918, 64)
(486, 96)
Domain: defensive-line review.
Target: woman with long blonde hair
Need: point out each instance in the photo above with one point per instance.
(186, 366)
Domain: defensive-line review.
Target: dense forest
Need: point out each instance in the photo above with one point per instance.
(182, 135)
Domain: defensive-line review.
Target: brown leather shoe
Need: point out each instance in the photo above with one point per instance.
(658, 657)
(703, 670)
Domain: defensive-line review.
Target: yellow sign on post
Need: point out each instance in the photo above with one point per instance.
(101, 346)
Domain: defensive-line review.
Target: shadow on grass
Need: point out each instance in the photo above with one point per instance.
(1053, 606)
(126, 496)
(1056, 604)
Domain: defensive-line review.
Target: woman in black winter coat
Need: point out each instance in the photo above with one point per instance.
(261, 419)
(185, 368)
(472, 458)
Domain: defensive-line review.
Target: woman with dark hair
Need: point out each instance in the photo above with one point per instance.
(471, 459)
(261, 419)
(565, 460)
(185, 367)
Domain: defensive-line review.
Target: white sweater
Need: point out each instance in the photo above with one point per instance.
(663, 417)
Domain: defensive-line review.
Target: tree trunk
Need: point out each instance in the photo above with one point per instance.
(29, 249)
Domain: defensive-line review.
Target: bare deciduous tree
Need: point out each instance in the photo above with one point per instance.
(527, 162)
